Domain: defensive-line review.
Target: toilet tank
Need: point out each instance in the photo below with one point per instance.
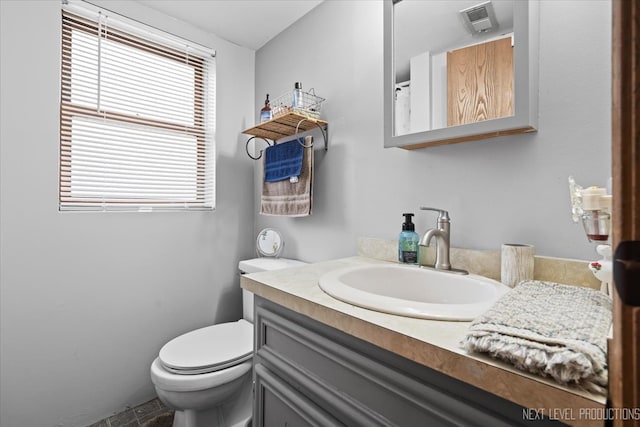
(256, 265)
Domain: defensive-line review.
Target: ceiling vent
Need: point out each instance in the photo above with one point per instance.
(480, 18)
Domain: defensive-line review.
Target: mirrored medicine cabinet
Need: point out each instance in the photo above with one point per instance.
(457, 71)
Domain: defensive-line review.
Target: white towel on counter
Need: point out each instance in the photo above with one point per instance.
(550, 329)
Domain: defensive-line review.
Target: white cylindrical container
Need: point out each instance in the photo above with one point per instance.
(516, 263)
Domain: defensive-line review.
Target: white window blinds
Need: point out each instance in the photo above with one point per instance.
(136, 120)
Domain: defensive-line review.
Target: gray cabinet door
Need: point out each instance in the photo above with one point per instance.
(279, 405)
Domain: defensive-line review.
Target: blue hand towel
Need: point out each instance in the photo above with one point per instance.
(284, 160)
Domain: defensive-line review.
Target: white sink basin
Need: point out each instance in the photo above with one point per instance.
(412, 291)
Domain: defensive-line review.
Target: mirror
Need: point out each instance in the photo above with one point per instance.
(269, 243)
(458, 71)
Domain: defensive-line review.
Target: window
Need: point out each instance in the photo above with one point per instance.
(136, 119)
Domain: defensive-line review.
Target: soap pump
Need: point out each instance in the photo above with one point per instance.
(265, 113)
(408, 242)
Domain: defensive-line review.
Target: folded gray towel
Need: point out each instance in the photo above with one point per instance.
(550, 329)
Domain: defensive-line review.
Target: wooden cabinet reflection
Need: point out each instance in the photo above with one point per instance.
(480, 82)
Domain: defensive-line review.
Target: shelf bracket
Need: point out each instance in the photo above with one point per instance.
(261, 151)
(324, 129)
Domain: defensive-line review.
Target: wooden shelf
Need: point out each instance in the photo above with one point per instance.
(284, 126)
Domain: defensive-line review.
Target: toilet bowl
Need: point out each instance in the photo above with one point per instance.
(206, 375)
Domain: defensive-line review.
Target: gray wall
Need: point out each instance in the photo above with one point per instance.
(88, 299)
(511, 189)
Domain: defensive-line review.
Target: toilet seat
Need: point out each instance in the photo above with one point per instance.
(167, 381)
(208, 349)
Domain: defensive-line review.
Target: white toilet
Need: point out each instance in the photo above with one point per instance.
(206, 375)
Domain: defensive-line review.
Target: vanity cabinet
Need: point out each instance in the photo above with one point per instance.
(310, 374)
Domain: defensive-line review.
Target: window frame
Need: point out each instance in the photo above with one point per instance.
(205, 144)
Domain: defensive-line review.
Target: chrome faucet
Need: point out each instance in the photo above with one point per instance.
(441, 234)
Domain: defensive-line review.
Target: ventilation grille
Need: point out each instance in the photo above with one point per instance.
(480, 18)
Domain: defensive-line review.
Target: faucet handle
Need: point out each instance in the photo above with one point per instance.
(442, 214)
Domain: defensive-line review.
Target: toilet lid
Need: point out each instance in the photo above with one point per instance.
(209, 349)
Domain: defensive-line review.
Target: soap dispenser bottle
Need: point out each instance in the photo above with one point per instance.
(408, 242)
(265, 113)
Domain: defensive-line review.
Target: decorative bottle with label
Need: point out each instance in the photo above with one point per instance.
(408, 242)
(265, 113)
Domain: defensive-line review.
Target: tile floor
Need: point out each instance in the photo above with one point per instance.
(136, 417)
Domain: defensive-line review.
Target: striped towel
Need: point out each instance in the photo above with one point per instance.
(286, 198)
